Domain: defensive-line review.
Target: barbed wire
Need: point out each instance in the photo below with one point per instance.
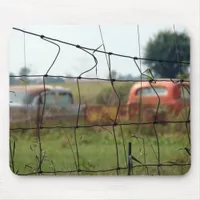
(130, 160)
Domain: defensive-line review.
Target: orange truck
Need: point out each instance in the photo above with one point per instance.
(147, 101)
(159, 98)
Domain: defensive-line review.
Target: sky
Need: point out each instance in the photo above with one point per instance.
(37, 54)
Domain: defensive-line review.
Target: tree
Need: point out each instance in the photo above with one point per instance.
(24, 71)
(125, 77)
(170, 46)
(113, 74)
(69, 77)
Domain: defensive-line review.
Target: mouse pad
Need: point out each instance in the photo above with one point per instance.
(100, 100)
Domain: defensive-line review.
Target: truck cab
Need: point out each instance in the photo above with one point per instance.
(161, 96)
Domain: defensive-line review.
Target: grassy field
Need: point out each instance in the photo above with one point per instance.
(58, 151)
(89, 90)
(98, 149)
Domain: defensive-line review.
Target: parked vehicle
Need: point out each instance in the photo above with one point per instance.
(27, 101)
(161, 96)
(147, 102)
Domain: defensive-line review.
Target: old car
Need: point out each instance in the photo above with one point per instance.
(147, 102)
(29, 102)
(159, 98)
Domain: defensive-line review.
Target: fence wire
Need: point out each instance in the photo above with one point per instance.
(131, 162)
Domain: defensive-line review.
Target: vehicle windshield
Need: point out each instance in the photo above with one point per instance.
(149, 91)
(61, 98)
(51, 98)
(20, 97)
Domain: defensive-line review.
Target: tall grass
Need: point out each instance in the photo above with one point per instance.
(100, 148)
(97, 150)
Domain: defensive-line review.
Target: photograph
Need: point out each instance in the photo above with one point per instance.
(99, 100)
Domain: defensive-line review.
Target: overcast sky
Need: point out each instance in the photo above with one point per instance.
(39, 54)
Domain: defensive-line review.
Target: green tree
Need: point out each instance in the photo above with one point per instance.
(113, 74)
(170, 46)
(24, 71)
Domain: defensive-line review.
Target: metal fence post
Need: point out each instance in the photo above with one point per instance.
(130, 163)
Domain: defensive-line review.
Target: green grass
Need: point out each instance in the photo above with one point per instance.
(97, 151)
(97, 146)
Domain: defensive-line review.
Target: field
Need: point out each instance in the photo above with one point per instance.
(156, 150)
(89, 90)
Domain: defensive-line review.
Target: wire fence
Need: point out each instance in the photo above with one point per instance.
(112, 125)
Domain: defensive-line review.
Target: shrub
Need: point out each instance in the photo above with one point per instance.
(108, 96)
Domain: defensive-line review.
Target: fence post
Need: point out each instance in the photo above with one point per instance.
(130, 163)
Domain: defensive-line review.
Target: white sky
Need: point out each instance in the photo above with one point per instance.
(122, 39)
